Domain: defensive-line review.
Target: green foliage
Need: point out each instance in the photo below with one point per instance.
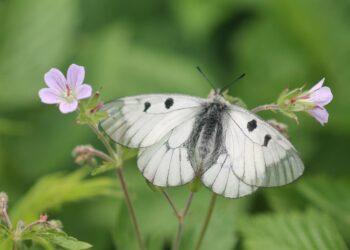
(133, 47)
(104, 167)
(23, 43)
(52, 191)
(334, 199)
(50, 238)
(310, 230)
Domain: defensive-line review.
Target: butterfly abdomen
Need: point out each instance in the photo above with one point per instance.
(206, 139)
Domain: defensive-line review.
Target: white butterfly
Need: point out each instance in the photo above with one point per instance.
(232, 151)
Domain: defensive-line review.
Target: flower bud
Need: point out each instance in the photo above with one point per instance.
(84, 155)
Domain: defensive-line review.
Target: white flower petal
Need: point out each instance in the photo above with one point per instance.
(317, 86)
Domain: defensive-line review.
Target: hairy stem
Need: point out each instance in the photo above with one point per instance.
(120, 174)
(182, 218)
(271, 107)
(6, 218)
(105, 141)
(100, 155)
(206, 221)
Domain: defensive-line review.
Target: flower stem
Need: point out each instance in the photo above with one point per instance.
(100, 155)
(206, 221)
(120, 175)
(4, 214)
(104, 140)
(171, 203)
(130, 206)
(6, 218)
(271, 107)
(182, 218)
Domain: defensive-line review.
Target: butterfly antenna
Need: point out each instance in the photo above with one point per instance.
(235, 80)
(204, 75)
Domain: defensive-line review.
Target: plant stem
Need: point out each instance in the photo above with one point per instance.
(171, 203)
(131, 209)
(271, 107)
(206, 221)
(182, 218)
(103, 139)
(120, 175)
(101, 155)
(6, 218)
(4, 214)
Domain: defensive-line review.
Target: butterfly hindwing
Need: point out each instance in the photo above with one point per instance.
(166, 163)
(261, 156)
(221, 179)
(141, 121)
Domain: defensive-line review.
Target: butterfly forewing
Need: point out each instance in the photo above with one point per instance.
(261, 155)
(141, 121)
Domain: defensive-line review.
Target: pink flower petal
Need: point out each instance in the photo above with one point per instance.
(55, 80)
(317, 86)
(75, 75)
(49, 96)
(322, 96)
(320, 114)
(66, 107)
(83, 91)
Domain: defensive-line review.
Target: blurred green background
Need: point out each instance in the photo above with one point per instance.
(134, 47)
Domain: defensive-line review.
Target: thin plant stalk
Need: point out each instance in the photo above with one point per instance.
(120, 175)
(272, 107)
(206, 221)
(171, 203)
(182, 218)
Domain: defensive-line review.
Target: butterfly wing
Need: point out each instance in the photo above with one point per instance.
(141, 121)
(260, 155)
(166, 163)
(221, 179)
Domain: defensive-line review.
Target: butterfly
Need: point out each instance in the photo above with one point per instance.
(179, 137)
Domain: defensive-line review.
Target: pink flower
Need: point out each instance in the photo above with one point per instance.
(65, 92)
(318, 97)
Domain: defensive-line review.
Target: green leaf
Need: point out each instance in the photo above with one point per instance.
(310, 230)
(6, 244)
(63, 240)
(128, 153)
(331, 198)
(52, 191)
(106, 166)
(3, 232)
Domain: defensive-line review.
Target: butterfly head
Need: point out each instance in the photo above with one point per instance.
(217, 95)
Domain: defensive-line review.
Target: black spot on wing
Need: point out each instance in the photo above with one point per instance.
(251, 125)
(267, 139)
(169, 102)
(147, 106)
